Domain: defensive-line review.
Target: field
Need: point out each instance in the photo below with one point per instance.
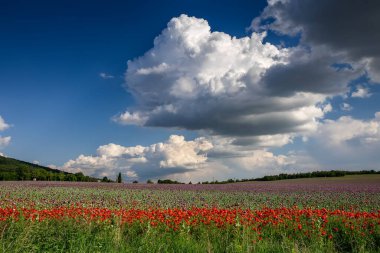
(300, 215)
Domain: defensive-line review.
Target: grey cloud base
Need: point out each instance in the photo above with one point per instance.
(350, 27)
(196, 79)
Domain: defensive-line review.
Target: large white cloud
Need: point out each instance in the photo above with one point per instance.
(201, 80)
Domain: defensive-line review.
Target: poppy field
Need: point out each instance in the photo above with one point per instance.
(308, 215)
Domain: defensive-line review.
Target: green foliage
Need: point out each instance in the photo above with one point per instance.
(106, 180)
(168, 181)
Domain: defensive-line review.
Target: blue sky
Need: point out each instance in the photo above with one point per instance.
(234, 89)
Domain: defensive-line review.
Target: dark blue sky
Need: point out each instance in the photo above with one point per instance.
(57, 106)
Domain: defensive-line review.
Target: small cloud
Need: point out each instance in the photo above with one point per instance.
(361, 92)
(3, 125)
(4, 141)
(346, 107)
(36, 162)
(106, 76)
(134, 118)
(131, 174)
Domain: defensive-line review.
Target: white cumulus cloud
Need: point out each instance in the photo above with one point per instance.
(196, 79)
(176, 155)
(200, 159)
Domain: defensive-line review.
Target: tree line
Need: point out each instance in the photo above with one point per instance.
(283, 176)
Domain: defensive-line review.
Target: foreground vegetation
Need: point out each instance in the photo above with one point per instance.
(324, 215)
(79, 229)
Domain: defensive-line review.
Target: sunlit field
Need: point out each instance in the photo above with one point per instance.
(301, 215)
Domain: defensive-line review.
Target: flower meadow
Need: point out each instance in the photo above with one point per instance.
(308, 215)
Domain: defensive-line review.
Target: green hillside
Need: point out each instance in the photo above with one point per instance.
(14, 170)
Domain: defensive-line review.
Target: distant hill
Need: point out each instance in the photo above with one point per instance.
(14, 170)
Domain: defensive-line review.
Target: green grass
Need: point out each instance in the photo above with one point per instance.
(76, 237)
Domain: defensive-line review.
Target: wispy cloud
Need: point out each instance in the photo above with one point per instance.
(346, 107)
(106, 76)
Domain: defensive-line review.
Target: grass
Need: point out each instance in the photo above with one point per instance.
(71, 236)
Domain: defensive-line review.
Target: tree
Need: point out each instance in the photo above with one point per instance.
(79, 176)
(119, 179)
